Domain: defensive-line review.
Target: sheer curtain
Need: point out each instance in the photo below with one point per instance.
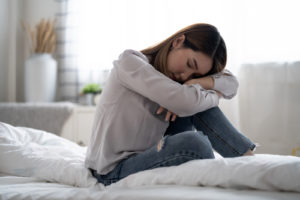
(254, 31)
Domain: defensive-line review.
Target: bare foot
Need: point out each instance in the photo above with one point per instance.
(249, 153)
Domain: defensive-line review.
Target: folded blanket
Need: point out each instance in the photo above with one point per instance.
(34, 153)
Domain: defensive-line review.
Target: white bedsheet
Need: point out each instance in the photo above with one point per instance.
(29, 188)
(264, 172)
(47, 157)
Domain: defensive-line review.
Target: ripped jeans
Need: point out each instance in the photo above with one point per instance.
(187, 138)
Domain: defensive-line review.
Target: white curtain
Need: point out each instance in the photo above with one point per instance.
(254, 31)
(269, 97)
(67, 51)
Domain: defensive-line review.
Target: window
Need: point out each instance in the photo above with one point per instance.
(254, 30)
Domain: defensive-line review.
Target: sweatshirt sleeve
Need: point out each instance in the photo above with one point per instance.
(226, 83)
(136, 74)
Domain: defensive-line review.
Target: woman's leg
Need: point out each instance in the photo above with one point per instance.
(181, 124)
(172, 150)
(225, 139)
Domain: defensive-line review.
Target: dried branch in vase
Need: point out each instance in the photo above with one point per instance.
(42, 38)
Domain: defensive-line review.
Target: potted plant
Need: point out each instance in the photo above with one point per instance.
(89, 93)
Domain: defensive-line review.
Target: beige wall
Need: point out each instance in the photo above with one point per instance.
(3, 48)
(13, 49)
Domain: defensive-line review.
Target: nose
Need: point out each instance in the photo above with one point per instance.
(184, 76)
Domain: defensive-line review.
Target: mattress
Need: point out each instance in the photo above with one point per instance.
(39, 165)
(12, 187)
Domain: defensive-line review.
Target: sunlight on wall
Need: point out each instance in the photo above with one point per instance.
(272, 31)
(254, 31)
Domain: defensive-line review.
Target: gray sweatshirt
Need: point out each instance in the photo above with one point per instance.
(126, 121)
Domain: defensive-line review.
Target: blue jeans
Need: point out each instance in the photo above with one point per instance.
(187, 138)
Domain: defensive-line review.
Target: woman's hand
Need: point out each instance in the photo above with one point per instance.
(207, 82)
(168, 115)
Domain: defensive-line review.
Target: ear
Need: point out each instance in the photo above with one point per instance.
(178, 41)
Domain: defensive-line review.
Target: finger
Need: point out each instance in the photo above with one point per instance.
(168, 115)
(160, 110)
(173, 117)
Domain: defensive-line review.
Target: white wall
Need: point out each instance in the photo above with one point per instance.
(3, 49)
(13, 49)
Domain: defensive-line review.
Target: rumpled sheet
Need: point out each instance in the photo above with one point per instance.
(34, 153)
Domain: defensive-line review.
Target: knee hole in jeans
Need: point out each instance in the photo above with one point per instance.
(198, 143)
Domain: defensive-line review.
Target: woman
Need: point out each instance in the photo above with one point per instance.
(182, 76)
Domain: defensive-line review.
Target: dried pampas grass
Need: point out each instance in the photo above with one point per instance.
(42, 38)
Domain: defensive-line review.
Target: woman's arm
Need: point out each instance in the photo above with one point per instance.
(206, 82)
(223, 82)
(226, 83)
(135, 73)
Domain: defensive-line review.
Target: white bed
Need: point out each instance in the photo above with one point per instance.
(38, 165)
(24, 188)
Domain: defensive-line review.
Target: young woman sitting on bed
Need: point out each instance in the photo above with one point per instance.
(159, 107)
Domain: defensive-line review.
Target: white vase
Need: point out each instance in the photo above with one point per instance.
(89, 99)
(40, 78)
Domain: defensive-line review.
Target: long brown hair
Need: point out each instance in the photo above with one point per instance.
(199, 37)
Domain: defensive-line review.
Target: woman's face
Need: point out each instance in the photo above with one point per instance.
(185, 64)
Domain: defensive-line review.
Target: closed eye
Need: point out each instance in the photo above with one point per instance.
(194, 75)
(188, 64)
(197, 76)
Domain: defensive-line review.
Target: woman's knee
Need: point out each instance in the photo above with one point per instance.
(194, 142)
